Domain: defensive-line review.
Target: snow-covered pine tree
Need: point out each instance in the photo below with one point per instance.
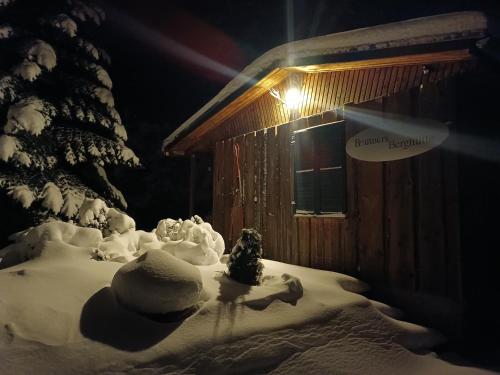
(59, 129)
(244, 263)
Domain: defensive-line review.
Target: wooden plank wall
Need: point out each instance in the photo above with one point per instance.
(401, 228)
(325, 91)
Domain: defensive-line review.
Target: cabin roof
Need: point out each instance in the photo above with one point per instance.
(323, 49)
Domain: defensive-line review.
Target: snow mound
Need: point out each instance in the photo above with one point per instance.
(119, 221)
(59, 231)
(195, 253)
(33, 242)
(125, 247)
(57, 311)
(157, 283)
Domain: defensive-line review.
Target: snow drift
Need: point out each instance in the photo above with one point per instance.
(62, 310)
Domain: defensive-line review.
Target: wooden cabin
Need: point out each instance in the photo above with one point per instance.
(280, 164)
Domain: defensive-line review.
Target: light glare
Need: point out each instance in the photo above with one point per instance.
(293, 98)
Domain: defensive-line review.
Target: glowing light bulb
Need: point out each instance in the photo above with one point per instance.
(293, 97)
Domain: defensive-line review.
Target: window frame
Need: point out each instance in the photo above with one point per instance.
(317, 210)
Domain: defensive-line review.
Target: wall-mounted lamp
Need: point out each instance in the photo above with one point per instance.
(292, 98)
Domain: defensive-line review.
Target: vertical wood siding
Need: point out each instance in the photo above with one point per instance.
(401, 228)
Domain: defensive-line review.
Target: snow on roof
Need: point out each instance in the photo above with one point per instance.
(418, 31)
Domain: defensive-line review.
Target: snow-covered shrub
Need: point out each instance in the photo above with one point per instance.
(124, 247)
(195, 253)
(167, 229)
(219, 245)
(244, 263)
(195, 243)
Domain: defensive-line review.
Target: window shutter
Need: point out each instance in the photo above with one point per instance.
(304, 172)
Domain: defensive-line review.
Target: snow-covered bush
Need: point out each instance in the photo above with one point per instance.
(244, 263)
(157, 283)
(185, 240)
(192, 240)
(167, 229)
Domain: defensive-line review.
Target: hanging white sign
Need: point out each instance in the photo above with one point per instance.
(402, 141)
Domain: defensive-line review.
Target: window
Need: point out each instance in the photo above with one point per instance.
(319, 169)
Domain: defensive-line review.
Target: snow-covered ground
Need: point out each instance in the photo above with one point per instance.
(59, 315)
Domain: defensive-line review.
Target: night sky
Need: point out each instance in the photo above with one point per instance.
(160, 51)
